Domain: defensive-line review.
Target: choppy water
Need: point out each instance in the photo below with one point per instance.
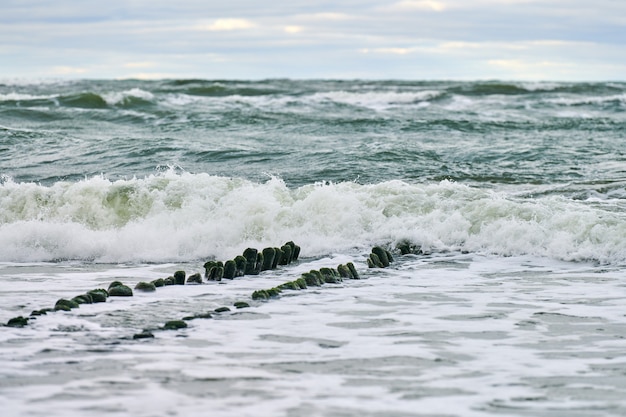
(515, 192)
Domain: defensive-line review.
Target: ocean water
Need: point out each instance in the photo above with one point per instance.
(511, 195)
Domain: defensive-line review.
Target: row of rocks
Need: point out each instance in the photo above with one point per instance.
(252, 262)
(313, 278)
(379, 258)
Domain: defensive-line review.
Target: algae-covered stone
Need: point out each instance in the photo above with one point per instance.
(41, 312)
(222, 309)
(250, 254)
(194, 279)
(216, 273)
(374, 261)
(311, 279)
(143, 335)
(287, 254)
(63, 304)
(207, 267)
(18, 321)
(115, 284)
(159, 282)
(278, 256)
(355, 274)
(169, 281)
(273, 292)
(268, 258)
(382, 256)
(83, 299)
(179, 277)
(292, 285)
(344, 271)
(260, 295)
(295, 250)
(241, 262)
(329, 276)
(174, 325)
(99, 295)
(145, 286)
(121, 291)
(301, 283)
(230, 269)
(241, 304)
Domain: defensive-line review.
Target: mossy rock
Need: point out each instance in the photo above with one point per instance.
(287, 254)
(250, 254)
(145, 286)
(99, 295)
(240, 262)
(355, 274)
(230, 269)
(295, 250)
(302, 283)
(169, 281)
(311, 280)
(344, 271)
(222, 309)
(278, 256)
(194, 279)
(241, 304)
(330, 276)
(274, 292)
(260, 295)
(373, 261)
(18, 321)
(179, 277)
(159, 282)
(83, 299)
(292, 285)
(174, 325)
(62, 303)
(115, 284)
(121, 291)
(268, 258)
(258, 265)
(382, 256)
(216, 273)
(41, 312)
(207, 267)
(143, 335)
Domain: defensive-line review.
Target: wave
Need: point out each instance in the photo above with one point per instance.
(175, 216)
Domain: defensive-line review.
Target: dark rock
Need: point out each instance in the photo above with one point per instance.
(240, 262)
(374, 261)
(311, 280)
(115, 284)
(251, 255)
(278, 256)
(207, 268)
(39, 312)
(174, 325)
(230, 269)
(216, 273)
(295, 250)
(169, 281)
(121, 291)
(287, 254)
(145, 286)
(355, 274)
(301, 283)
(292, 285)
(179, 277)
(241, 304)
(258, 264)
(268, 258)
(194, 279)
(274, 292)
(83, 299)
(99, 295)
(382, 256)
(160, 282)
(18, 321)
(143, 335)
(62, 303)
(221, 309)
(260, 295)
(344, 271)
(389, 256)
(329, 276)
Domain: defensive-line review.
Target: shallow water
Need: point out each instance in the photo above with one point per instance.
(443, 335)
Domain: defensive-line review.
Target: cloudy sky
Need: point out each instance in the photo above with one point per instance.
(578, 40)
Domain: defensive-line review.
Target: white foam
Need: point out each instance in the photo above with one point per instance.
(117, 97)
(182, 216)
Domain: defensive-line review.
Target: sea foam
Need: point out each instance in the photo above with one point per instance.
(174, 216)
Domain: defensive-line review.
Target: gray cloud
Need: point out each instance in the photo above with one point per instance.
(424, 39)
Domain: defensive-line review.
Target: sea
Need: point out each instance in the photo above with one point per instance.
(503, 205)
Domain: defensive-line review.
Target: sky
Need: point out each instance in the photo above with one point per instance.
(551, 40)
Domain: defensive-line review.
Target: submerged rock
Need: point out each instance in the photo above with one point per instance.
(145, 286)
(143, 335)
(230, 269)
(121, 291)
(65, 305)
(179, 277)
(174, 325)
(83, 299)
(260, 295)
(160, 282)
(99, 295)
(18, 321)
(344, 271)
(222, 309)
(330, 276)
(115, 284)
(194, 279)
(169, 281)
(241, 304)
